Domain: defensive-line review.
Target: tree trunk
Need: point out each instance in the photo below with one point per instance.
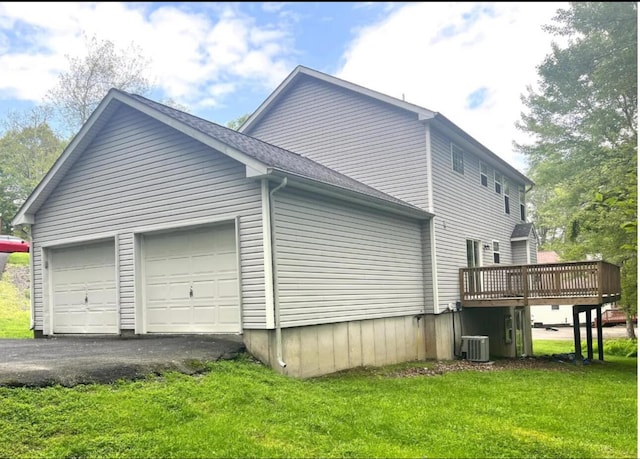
(631, 333)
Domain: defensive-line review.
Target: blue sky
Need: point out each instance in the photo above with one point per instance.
(470, 61)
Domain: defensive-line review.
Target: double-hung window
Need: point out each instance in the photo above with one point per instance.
(497, 179)
(484, 174)
(457, 158)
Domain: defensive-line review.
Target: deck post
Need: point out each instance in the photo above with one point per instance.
(599, 323)
(576, 334)
(589, 334)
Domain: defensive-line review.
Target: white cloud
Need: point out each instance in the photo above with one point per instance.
(438, 54)
(196, 55)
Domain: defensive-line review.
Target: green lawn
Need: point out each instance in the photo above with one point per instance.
(14, 305)
(19, 258)
(242, 409)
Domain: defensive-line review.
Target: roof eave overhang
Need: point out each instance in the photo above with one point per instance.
(448, 126)
(255, 117)
(343, 194)
(26, 213)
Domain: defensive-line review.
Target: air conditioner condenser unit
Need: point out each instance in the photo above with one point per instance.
(475, 348)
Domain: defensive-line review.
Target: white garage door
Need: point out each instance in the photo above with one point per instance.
(191, 281)
(83, 287)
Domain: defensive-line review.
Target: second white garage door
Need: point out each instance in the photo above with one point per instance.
(191, 281)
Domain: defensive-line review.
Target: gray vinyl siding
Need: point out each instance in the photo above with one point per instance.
(519, 252)
(377, 144)
(137, 173)
(465, 209)
(533, 247)
(340, 263)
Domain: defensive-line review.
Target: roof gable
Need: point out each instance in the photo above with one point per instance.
(522, 231)
(421, 113)
(260, 158)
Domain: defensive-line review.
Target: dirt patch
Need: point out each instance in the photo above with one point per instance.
(442, 367)
(18, 276)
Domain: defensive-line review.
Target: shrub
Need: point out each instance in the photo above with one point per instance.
(621, 347)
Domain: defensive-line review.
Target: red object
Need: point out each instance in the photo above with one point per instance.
(612, 317)
(12, 244)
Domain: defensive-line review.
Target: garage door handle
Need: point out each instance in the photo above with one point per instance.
(191, 292)
(86, 299)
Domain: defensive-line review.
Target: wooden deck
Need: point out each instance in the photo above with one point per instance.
(576, 283)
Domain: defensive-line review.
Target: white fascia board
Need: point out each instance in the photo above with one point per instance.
(87, 128)
(517, 239)
(478, 149)
(252, 172)
(246, 126)
(422, 113)
(343, 194)
(22, 214)
(193, 133)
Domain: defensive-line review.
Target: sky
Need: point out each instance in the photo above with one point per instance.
(469, 61)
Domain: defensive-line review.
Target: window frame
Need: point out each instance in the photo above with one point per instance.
(484, 175)
(495, 247)
(457, 151)
(521, 200)
(506, 189)
(497, 182)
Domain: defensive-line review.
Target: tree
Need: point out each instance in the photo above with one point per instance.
(28, 149)
(583, 117)
(89, 78)
(238, 122)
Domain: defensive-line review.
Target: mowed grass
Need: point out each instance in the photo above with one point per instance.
(19, 258)
(243, 409)
(14, 306)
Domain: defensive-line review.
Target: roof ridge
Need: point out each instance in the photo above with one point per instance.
(158, 106)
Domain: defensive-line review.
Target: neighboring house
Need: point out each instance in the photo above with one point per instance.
(552, 314)
(339, 247)
(419, 156)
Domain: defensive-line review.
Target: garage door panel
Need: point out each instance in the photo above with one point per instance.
(208, 257)
(228, 291)
(179, 266)
(228, 315)
(83, 289)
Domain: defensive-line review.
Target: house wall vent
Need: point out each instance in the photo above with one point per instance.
(475, 348)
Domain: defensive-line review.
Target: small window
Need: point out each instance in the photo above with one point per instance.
(496, 252)
(523, 212)
(457, 158)
(497, 178)
(555, 307)
(507, 207)
(484, 174)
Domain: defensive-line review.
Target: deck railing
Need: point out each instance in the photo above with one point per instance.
(582, 282)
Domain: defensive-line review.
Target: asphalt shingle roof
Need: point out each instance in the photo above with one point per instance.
(521, 230)
(270, 155)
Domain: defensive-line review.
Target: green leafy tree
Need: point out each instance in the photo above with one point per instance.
(238, 122)
(81, 88)
(28, 149)
(583, 117)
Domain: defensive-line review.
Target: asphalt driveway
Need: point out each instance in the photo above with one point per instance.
(70, 361)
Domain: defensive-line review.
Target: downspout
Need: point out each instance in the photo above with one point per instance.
(274, 270)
